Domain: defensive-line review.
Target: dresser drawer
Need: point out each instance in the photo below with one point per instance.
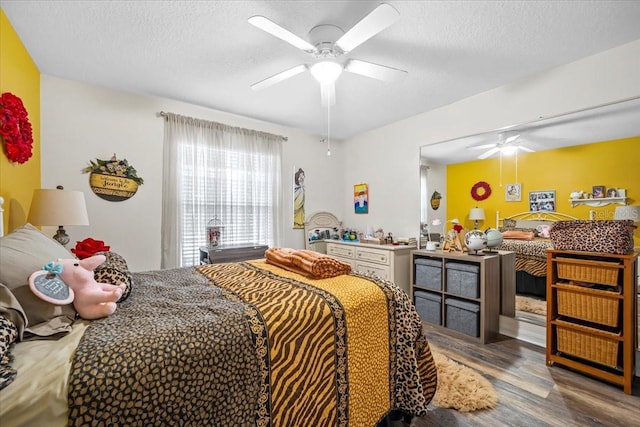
(378, 270)
(340, 250)
(373, 255)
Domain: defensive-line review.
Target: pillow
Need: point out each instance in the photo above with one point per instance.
(12, 310)
(518, 235)
(114, 270)
(22, 252)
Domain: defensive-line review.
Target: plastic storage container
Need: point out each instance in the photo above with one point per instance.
(463, 316)
(463, 279)
(428, 273)
(429, 306)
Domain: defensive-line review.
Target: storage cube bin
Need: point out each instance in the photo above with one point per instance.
(428, 273)
(429, 306)
(463, 279)
(463, 316)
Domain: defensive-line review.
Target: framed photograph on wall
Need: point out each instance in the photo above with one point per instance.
(513, 193)
(542, 201)
(361, 198)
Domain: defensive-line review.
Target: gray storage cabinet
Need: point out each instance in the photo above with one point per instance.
(463, 279)
(429, 306)
(428, 273)
(463, 316)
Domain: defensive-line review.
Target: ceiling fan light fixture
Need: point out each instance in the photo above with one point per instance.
(508, 150)
(326, 72)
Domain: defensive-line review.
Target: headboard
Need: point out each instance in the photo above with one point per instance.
(533, 219)
(321, 220)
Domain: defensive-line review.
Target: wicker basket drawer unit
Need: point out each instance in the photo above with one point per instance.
(588, 343)
(591, 305)
(588, 271)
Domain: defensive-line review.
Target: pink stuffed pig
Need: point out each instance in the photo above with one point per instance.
(92, 300)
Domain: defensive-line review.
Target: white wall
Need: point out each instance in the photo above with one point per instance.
(82, 122)
(391, 163)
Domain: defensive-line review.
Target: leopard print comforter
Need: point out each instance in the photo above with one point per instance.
(185, 349)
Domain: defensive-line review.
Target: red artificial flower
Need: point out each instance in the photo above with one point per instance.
(89, 247)
(458, 228)
(15, 128)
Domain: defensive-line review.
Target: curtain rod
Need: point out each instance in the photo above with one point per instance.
(165, 115)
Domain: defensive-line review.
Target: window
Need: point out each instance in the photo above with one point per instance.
(222, 172)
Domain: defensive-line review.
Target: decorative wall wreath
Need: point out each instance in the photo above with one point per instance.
(15, 128)
(483, 194)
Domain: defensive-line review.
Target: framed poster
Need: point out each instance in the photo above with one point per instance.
(542, 201)
(513, 193)
(361, 198)
(298, 198)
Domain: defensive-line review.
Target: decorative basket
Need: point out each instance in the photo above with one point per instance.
(588, 343)
(597, 306)
(589, 271)
(614, 237)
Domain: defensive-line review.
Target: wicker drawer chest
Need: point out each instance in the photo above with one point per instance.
(592, 312)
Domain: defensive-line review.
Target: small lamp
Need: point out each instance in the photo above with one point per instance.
(58, 207)
(476, 214)
(627, 212)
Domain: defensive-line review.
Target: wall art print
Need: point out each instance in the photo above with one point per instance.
(113, 180)
(542, 201)
(513, 193)
(361, 198)
(298, 198)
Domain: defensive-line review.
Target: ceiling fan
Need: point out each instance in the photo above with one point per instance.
(326, 44)
(506, 145)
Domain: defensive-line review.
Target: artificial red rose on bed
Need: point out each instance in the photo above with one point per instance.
(89, 247)
(458, 228)
(15, 128)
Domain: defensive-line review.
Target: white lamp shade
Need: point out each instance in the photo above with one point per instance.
(326, 72)
(58, 207)
(627, 212)
(476, 213)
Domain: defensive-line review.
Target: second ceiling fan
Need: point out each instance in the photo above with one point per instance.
(326, 44)
(506, 145)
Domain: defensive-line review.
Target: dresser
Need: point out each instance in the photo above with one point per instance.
(388, 262)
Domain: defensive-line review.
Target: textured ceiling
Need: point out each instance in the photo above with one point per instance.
(206, 53)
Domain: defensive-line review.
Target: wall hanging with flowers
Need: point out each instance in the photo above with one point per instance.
(114, 180)
(15, 129)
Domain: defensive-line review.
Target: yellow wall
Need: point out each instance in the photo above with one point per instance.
(611, 164)
(20, 76)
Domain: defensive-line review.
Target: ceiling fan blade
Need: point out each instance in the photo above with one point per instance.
(482, 147)
(527, 149)
(377, 20)
(489, 153)
(512, 138)
(375, 71)
(328, 94)
(277, 78)
(283, 34)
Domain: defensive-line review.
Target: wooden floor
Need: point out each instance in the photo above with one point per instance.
(529, 392)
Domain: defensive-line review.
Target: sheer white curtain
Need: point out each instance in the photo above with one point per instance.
(212, 170)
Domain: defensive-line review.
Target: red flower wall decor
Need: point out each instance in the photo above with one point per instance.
(15, 128)
(480, 191)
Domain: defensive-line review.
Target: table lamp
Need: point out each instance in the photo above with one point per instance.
(627, 212)
(476, 214)
(58, 207)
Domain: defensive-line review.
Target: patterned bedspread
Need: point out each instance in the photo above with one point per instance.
(531, 255)
(250, 344)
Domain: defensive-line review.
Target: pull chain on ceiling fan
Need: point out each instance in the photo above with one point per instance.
(329, 42)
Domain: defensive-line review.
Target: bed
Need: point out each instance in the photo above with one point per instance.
(243, 344)
(524, 234)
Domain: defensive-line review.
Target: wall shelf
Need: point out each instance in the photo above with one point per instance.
(598, 202)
